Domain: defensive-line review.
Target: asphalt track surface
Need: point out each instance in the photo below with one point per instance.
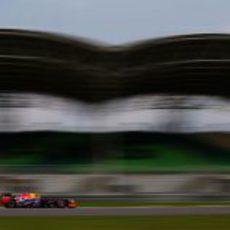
(114, 211)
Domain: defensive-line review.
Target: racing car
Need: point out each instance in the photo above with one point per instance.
(35, 200)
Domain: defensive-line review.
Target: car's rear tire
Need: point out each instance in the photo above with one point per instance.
(11, 204)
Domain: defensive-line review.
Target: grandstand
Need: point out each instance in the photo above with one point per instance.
(82, 70)
(53, 64)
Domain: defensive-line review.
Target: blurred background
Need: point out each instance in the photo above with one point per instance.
(160, 146)
(144, 118)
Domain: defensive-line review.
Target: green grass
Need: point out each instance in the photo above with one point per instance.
(20, 159)
(150, 203)
(184, 222)
(166, 157)
(161, 158)
(155, 157)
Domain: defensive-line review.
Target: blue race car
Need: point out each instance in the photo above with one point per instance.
(34, 200)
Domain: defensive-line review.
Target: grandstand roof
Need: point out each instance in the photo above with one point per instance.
(50, 63)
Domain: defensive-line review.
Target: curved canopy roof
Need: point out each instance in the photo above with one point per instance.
(85, 70)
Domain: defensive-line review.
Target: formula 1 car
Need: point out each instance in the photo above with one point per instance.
(34, 200)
